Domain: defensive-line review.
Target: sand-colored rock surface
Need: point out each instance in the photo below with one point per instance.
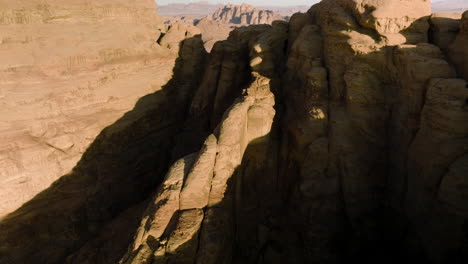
(244, 15)
(204, 8)
(213, 31)
(68, 70)
(338, 137)
(140, 144)
(216, 26)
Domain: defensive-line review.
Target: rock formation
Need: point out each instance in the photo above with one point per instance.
(202, 8)
(67, 70)
(213, 32)
(338, 137)
(216, 27)
(244, 15)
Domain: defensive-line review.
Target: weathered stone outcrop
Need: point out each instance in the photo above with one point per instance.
(129, 153)
(68, 70)
(338, 137)
(436, 184)
(170, 36)
(213, 31)
(216, 27)
(204, 194)
(444, 29)
(244, 15)
(458, 53)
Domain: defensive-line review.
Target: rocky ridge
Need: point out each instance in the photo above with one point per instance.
(217, 26)
(340, 136)
(204, 8)
(244, 15)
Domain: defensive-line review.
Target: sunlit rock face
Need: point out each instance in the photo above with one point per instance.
(244, 15)
(71, 71)
(216, 27)
(67, 70)
(340, 136)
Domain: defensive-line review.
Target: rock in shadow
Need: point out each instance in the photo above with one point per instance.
(118, 171)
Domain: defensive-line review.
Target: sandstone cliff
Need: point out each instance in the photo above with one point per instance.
(338, 137)
(68, 70)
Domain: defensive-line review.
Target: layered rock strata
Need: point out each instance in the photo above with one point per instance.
(68, 70)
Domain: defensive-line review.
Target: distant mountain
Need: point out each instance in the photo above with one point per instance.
(286, 10)
(205, 8)
(457, 6)
(216, 21)
(244, 15)
(198, 8)
(216, 26)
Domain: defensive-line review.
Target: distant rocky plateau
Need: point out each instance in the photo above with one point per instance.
(244, 15)
(216, 26)
(337, 136)
(205, 8)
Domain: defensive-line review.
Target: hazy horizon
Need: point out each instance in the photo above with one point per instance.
(252, 2)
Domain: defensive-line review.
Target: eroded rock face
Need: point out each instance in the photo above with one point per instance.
(444, 29)
(457, 50)
(213, 31)
(244, 15)
(216, 27)
(339, 136)
(129, 152)
(67, 71)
